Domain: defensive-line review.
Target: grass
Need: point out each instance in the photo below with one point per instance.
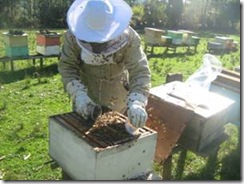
(31, 94)
(26, 106)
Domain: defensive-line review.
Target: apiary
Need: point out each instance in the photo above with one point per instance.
(48, 43)
(210, 114)
(100, 152)
(16, 44)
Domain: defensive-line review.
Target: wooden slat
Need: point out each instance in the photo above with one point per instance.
(231, 73)
(75, 124)
(79, 133)
(229, 80)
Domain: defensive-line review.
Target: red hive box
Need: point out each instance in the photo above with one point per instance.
(48, 43)
(48, 39)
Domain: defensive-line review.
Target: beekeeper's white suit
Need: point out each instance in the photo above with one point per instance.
(103, 65)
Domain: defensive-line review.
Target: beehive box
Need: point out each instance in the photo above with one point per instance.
(228, 84)
(16, 45)
(166, 39)
(48, 39)
(177, 36)
(195, 40)
(17, 51)
(169, 121)
(84, 157)
(48, 43)
(214, 46)
(187, 36)
(11, 40)
(202, 134)
(226, 42)
(206, 126)
(153, 35)
(48, 50)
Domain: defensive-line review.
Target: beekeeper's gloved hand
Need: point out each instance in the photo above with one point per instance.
(83, 105)
(136, 112)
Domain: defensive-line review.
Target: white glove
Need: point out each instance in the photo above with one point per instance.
(83, 105)
(136, 112)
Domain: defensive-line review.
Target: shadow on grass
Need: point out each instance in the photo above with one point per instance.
(7, 77)
(230, 168)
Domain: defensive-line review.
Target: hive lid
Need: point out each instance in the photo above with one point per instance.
(12, 35)
(48, 33)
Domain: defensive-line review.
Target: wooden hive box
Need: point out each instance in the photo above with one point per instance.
(226, 42)
(187, 36)
(206, 127)
(48, 39)
(153, 36)
(16, 51)
(84, 157)
(204, 133)
(166, 39)
(228, 84)
(16, 45)
(15, 40)
(48, 43)
(214, 46)
(195, 40)
(176, 36)
(169, 121)
(48, 50)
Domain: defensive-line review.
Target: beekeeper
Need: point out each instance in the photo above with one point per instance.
(102, 60)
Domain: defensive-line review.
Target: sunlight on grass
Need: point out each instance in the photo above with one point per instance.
(25, 125)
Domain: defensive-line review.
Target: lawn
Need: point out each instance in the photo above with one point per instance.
(30, 94)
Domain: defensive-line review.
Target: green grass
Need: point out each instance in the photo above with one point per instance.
(29, 95)
(25, 109)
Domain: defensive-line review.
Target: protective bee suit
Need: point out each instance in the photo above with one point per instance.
(100, 66)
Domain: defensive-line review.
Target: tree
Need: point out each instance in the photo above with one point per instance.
(174, 12)
(223, 15)
(154, 15)
(166, 14)
(194, 15)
